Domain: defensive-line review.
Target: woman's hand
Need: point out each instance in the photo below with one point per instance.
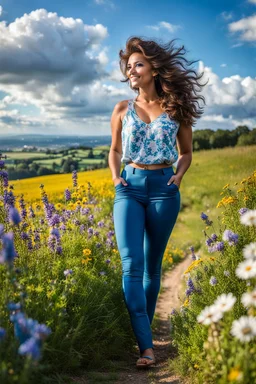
(175, 179)
(119, 179)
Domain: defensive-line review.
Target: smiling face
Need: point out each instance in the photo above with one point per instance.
(139, 70)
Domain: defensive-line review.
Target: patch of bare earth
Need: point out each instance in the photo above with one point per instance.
(164, 351)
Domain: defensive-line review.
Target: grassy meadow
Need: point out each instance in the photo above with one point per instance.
(200, 189)
(61, 301)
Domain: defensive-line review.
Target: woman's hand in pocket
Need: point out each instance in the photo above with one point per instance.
(119, 180)
(175, 180)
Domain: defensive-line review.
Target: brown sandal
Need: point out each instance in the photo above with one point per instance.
(145, 364)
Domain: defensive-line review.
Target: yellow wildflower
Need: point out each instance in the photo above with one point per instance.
(226, 186)
(87, 252)
(235, 374)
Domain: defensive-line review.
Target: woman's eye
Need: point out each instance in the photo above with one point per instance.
(135, 65)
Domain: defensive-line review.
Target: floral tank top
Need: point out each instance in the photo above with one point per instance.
(152, 143)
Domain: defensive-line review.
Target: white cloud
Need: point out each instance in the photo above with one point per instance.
(223, 65)
(252, 1)
(231, 99)
(164, 25)
(1, 10)
(246, 26)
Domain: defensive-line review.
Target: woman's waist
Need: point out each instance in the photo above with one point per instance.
(149, 166)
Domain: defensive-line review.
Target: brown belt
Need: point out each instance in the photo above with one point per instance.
(150, 166)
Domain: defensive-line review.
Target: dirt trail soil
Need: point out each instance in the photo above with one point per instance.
(167, 300)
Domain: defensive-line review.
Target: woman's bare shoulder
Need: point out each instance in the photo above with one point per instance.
(121, 108)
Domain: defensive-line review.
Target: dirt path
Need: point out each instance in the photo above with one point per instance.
(168, 299)
(129, 373)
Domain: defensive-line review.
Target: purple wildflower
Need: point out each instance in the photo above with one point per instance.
(174, 312)
(63, 227)
(68, 272)
(74, 178)
(85, 211)
(219, 246)
(2, 333)
(213, 280)
(55, 219)
(208, 241)
(14, 215)
(67, 194)
(31, 212)
(242, 210)
(102, 273)
(101, 224)
(8, 252)
(1, 164)
(204, 217)
(214, 237)
(108, 261)
(82, 228)
(98, 245)
(4, 177)
(90, 218)
(230, 237)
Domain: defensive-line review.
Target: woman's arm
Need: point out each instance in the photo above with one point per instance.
(115, 153)
(184, 143)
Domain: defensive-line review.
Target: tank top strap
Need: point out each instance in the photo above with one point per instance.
(130, 104)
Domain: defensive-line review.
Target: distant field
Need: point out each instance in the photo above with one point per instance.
(200, 187)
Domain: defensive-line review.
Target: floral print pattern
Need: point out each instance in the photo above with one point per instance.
(152, 143)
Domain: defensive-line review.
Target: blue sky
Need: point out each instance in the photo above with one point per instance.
(59, 70)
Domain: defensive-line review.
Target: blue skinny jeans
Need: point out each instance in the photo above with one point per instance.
(144, 212)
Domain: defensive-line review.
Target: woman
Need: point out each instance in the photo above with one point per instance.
(147, 192)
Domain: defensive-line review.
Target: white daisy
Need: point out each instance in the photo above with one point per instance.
(246, 269)
(244, 328)
(249, 217)
(249, 298)
(249, 251)
(210, 314)
(225, 302)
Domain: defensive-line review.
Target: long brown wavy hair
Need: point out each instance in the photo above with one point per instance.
(175, 84)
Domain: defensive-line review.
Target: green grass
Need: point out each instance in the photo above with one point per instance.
(201, 186)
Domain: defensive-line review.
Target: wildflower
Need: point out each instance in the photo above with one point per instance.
(249, 298)
(193, 257)
(30, 348)
(244, 328)
(102, 273)
(173, 312)
(209, 314)
(87, 252)
(204, 217)
(68, 272)
(225, 302)
(55, 232)
(8, 251)
(249, 217)
(246, 269)
(108, 261)
(74, 178)
(235, 374)
(14, 215)
(2, 333)
(213, 280)
(214, 237)
(242, 210)
(230, 237)
(249, 251)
